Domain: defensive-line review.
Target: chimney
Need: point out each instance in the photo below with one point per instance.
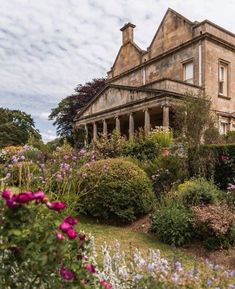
(127, 33)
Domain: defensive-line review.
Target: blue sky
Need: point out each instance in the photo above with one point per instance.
(47, 47)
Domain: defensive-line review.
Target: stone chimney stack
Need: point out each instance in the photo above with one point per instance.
(127, 33)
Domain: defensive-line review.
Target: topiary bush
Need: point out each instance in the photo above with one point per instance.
(172, 224)
(198, 191)
(115, 190)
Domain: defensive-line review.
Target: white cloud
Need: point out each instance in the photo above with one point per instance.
(47, 47)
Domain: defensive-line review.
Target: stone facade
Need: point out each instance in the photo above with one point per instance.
(144, 85)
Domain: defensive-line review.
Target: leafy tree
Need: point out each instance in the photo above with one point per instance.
(193, 117)
(16, 127)
(64, 114)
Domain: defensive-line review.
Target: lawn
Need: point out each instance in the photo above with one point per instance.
(130, 239)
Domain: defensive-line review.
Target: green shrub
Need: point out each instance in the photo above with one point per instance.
(166, 172)
(198, 191)
(115, 190)
(172, 224)
(215, 224)
(213, 162)
(230, 137)
(163, 137)
(143, 149)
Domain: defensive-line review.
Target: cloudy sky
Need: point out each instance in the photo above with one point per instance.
(47, 47)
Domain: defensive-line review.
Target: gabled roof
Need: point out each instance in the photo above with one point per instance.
(169, 10)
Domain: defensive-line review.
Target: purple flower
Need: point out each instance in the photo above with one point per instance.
(67, 274)
(11, 203)
(72, 234)
(39, 196)
(59, 236)
(65, 227)
(57, 206)
(90, 268)
(82, 237)
(6, 195)
(70, 220)
(24, 198)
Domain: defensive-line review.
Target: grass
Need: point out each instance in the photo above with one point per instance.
(131, 239)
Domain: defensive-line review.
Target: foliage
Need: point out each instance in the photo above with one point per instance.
(198, 191)
(142, 148)
(212, 135)
(189, 122)
(110, 146)
(230, 137)
(64, 114)
(34, 252)
(215, 162)
(162, 136)
(152, 271)
(16, 127)
(215, 224)
(115, 189)
(166, 172)
(172, 223)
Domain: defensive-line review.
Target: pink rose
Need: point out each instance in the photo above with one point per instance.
(39, 196)
(6, 195)
(82, 237)
(67, 274)
(57, 206)
(90, 268)
(65, 227)
(59, 236)
(70, 220)
(105, 284)
(72, 234)
(24, 198)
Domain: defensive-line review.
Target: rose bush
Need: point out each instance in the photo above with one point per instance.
(40, 247)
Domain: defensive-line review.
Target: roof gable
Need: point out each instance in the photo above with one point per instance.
(174, 30)
(129, 56)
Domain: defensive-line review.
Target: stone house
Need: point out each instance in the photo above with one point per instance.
(144, 85)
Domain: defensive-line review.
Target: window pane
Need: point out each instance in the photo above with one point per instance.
(188, 72)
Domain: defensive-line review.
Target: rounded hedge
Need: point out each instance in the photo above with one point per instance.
(115, 190)
(198, 191)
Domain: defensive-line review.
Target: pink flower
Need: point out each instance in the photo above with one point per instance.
(59, 236)
(39, 196)
(70, 220)
(6, 195)
(82, 237)
(65, 227)
(11, 203)
(57, 206)
(71, 233)
(90, 268)
(67, 274)
(105, 284)
(24, 198)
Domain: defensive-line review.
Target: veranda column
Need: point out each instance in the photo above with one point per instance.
(146, 121)
(131, 126)
(86, 135)
(166, 117)
(94, 131)
(118, 125)
(105, 127)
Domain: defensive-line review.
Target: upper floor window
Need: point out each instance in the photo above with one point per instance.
(223, 79)
(188, 72)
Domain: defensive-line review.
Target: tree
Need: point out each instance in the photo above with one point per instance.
(64, 114)
(193, 117)
(16, 127)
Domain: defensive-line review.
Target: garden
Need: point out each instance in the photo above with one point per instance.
(117, 214)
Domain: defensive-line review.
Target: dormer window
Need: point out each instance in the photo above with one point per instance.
(223, 78)
(188, 71)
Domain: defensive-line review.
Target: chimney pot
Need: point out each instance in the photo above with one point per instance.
(127, 33)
